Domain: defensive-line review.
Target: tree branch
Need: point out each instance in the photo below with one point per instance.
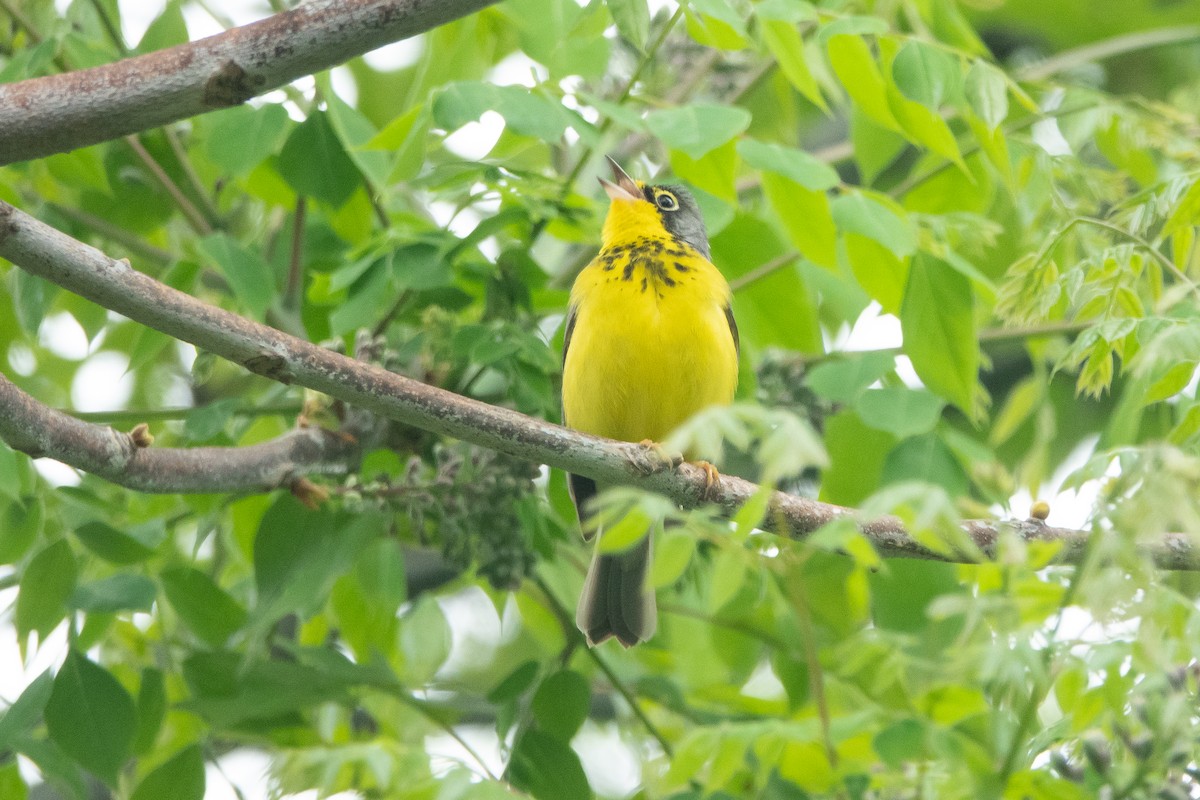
(125, 458)
(41, 250)
(57, 113)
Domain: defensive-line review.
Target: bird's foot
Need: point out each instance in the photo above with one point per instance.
(712, 480)
(650, 458)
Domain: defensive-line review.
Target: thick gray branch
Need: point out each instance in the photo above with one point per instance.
(29, 426)
(57, 113)
(79, 268)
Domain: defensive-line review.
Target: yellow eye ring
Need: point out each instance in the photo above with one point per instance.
(666, 201)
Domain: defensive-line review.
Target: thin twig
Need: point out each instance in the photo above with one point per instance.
(1000, 334)
(118, 235)
(431, 714)
(185, 162)
(110, 27)
(762, 271)
(295, 276)
(194, 217)
(386, 320)
(1107, 48)
(571, 632)
(816, 676)
(1042, 683)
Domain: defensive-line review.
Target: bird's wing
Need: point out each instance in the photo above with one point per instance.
(737, 344)
(582, 489)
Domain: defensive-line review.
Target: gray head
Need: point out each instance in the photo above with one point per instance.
(675, 205)
(680, 214)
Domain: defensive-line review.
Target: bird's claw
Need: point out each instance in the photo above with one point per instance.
(651, 458)
(712, 480)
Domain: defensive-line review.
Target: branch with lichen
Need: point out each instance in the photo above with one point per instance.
(131, 459)
(48, 253)
(57, 113)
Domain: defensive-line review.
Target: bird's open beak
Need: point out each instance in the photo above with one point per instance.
(621, 187)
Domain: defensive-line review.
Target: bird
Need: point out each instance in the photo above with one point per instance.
(650, 340)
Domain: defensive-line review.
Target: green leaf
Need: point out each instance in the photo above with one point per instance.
(239, 139)
(632, 18)
(858, 73)
(843, 380)
(26, 711)
(151, 709)
(880, 272)
(856, 455)
(860, 212)
(697, 129)
(515, 684)
(298, 553)
(790, 162)
(47, 583)
(772, 310)
(180, 778)
(250, 276)
(91, 717)
(123, 592)
(901, 594)
(714, 23)
(10, 473)
(806, 216)
(526, 112)
(421, 266)
(212, 614)
(926, 458)
(1171, 383)
(853, 25)
(315, 164)
(12, 785)
(900, 742)
(899, 411)
(119, 547)
(32, 297)
(561, 704)
(728, 576)
(673, 552)
(404, 137)
(547, 768)
(1186, 211)
(424, 640)
(355, 132)
(938, 323)
(987, 92)
(167, 30)
(926, 74)
(786, 45)
(1023, 400)
(21, 523)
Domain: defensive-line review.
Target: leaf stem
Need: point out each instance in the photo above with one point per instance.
(193, 215)
(571, 632)
(1107, 48)
(295, 276)
(763, 270)
(1041, 687)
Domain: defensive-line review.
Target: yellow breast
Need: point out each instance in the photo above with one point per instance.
(652, 342)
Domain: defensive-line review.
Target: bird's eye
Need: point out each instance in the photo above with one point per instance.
(666, 201)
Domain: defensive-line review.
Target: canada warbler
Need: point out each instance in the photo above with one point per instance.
(650, 340)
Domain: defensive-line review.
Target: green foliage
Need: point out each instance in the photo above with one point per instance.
(1025, 216)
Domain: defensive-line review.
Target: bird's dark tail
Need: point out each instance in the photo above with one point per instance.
(617, 599)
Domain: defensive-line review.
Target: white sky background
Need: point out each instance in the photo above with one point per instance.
(102, 384)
